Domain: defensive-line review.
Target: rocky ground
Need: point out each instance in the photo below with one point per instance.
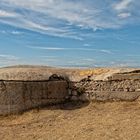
(75, 121)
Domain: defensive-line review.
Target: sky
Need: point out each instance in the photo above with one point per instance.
(70, 33)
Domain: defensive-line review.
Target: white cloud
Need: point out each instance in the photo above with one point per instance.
(65, 18)
(124, 9)
(122, 5)
(16, 32)
(13, 32)
(124, 15)
(48, 56)
(6, 14)
(86, 45)
(72, 49)
(48, 48)
(106, 51)
(8, 57)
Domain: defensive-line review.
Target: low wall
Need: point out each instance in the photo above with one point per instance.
(118, 87)
(17, 96)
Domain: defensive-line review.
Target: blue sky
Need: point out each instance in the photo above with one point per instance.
(70, 33)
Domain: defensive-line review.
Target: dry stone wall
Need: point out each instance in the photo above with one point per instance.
(117, 87)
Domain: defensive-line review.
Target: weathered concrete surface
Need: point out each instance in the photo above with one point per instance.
(22, 88)
(16, 96)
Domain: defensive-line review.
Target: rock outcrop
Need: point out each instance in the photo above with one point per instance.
(23, 88)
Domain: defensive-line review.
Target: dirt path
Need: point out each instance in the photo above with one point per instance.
(76, 121)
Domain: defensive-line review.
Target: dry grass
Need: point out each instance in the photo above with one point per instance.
(93, 71)
(75, 121)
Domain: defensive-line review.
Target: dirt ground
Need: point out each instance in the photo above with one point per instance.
(75, 121)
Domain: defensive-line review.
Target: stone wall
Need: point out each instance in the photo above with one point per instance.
(124, 87)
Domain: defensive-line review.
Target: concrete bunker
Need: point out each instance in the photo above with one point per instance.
(26, 88)
(17, 96)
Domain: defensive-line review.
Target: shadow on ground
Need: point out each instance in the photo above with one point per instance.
(69, 105)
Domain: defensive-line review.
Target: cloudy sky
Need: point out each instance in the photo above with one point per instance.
(70, 33)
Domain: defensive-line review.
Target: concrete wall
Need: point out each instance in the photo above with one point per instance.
(16, 96)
